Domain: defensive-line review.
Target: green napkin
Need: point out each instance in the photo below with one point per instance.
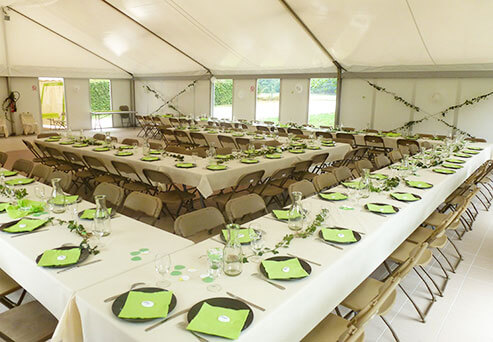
(400, 167)
(101, 149)
(15, 212)
(445, 171)
(52, 139)
(452, 166)
(390, 134)
(88, 214)
(211, 131)
(243, 235)
(273, 156)
(58, 257)
(296, 144)
(155, 152)
(66, 142)
(8, 173)
(283, 214)
(146, 305)
(222, 156)
(4, 206)
(297, 151)
(19, 181)
(379, 176)
(216, 167)
(470, 152)
(456, 161)
(338, 235)
(149, 158)
(286, 269)
(353, 185)
(218, 321)
(238, 134)
(404, 196)
(249, 161)
(126, 147)
(475, 148)
(419, 184)
(463, 155)
(59, 200)
(185, 165)
(334, 196)
(25, 225)
(124, 154)
(80, 145)
(385, 209)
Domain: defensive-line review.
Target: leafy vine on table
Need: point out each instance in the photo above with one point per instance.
(80, 230)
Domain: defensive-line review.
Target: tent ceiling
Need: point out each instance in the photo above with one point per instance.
(246, 37)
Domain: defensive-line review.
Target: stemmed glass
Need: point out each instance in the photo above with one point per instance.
(162, 264)
(41, 194)
(256, 244)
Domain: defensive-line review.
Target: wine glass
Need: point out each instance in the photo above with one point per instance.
(40, 193)
(162, 264)
(215, 262)
(256, 244)
(10, 192)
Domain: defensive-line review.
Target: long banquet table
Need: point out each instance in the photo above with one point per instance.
(292, 313)
(56, 290)
(204, 180)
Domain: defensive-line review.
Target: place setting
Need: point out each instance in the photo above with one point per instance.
(381, 209)
(65, 258)
(338, 236)
(23, 226)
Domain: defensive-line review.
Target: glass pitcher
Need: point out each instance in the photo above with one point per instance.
(102, 219)
(57, 198)
(232, 253)
(107, 138)
(296, 214)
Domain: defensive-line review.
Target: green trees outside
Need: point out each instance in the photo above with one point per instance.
(100, 95)
(223, 92)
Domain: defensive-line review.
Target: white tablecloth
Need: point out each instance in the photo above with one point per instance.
(54, 290)
(292, 313)
(204, 180)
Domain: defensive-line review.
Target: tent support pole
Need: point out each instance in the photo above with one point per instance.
(337, 115)
(67, 39)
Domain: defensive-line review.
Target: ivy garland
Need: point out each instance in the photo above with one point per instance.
(168, 103)
(396, 97)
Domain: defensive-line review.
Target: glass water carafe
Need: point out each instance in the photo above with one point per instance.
(102, 219)
(296, 214)
(57, 198)
(232, 254)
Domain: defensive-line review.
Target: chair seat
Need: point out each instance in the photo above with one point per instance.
(420, 235)
(64, 167)
(224, 198)
(436, 218)
(329, 329)
(30, 322)
(105, 179)
(401, 254)
(174, 196)
(440, 242)
(364, 293)
(135, 186)
(84, 174)
(269, 190)
(7, 284)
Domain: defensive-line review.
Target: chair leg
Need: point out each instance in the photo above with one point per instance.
(432, 280)
(390, 328)
(413, 303)
(433, 299)
(447, 260)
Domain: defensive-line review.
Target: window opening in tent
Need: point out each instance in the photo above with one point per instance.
(100, 94)
(322, 103)
(267, 106)
(52, 96)
(222, 99)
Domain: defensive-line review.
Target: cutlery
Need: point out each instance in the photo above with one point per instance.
(200, 338)
(330, 244)
(309, 261)
(246, 301)
(166, 319)
(261, 277)
(133, 286)
(79, 265)
(29, 233)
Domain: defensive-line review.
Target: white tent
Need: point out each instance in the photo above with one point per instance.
(170, 37)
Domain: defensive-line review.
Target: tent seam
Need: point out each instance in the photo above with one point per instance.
(419, 32)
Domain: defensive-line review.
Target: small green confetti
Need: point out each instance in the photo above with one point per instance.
(136, 258)
(346, 208)
(41, 213)
(144, 249)
(175, 273)
(208, 279)
(135, 253)
(179, 267)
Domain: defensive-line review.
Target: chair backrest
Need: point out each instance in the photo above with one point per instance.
(324, 181)
(273, 143)
(480, 140)
(199, 139)
(124, 169)
(347, 129)
(282, 174)
(31, 148)
(95, 163)
(250, 179)
(205, 219)
(65, 179)
(23, 166)
(55, 153)
(99, 136)
(140, 205)
(404, 150)
(306, 188)
(177, 149)
(114, 194)
(156, 145)
(325, 135)
(182, 137)
(426, 135)
(407, 142)
(243, 143)
(381, 161)
(363, 164)
(245, 208)
(373, 140)
(370, 130)
(413, 149)
(425, 144)
(343, 173)
(226, 141)
(3, 158)
(73, 158)
(295, 131)
(320, 158)
(41, 172)
(346, 138)
(155, 177)
(395, 156)
(47, 135)
(263, 128)
(130, 141)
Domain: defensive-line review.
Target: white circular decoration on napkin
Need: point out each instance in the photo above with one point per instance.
(341, 235)
(285, 269)
(223, 318)
(61, 257)
(241, 235)
(22, 225)
(147, 304)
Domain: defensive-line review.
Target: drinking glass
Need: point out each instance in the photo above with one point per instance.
(215, 262)
(98, 231)
(162, 264)
(256, 244)
(10, 192)
(40, 193)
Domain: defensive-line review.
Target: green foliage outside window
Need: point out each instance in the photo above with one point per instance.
(223, 92)
(100, 95)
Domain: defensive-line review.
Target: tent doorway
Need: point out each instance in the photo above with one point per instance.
(52, 92)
